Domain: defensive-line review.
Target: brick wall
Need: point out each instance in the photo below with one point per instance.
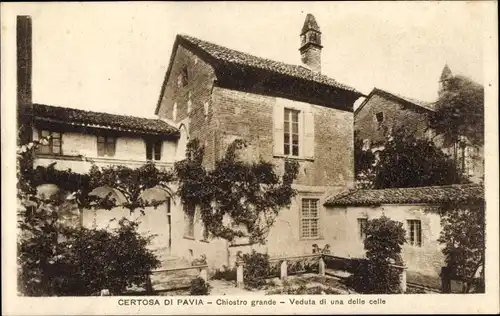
(250, 116)
(395, 115)
(194, 97)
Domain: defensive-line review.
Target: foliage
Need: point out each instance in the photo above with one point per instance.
(251, 194)
(383, 245)
(460, 112)
(462, 234)
(256, 268)
(84, 261)
(225, 274)
(384, 240)
(364, 160)
(56, 258)
(410, 162)
(199, 287)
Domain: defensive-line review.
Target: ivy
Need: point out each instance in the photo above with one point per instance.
(251, 194)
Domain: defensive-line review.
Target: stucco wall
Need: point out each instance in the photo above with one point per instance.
(129, 151)
(346, 242)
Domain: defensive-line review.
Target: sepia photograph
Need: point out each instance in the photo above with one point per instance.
(251, 155)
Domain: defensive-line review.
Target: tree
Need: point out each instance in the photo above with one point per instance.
(383, 245)
(410, 162)
(463, 229)
(250, 194)
(460, 112)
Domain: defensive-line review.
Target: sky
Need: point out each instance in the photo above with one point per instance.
(112, 57)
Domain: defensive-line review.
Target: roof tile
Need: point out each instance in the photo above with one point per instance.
(71, 116)
(416, 195)
(243, 59)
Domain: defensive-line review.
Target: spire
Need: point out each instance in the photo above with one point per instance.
(310, 47)
(310, 24)
(446, 73)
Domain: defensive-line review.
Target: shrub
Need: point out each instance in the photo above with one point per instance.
(199, 287)
(83, 261)
(257, 268)
(383, 244)
(225, 274)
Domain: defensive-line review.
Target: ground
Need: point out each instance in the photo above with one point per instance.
(303, 284)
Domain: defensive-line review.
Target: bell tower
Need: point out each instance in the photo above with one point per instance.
(446, 75)
(310, 49)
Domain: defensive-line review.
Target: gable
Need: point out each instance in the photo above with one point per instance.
(241, 71)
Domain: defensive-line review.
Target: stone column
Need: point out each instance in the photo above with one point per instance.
(239, 275)
(284, 270)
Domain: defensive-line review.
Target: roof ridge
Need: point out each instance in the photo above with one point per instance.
(417, 102)
(270, 64)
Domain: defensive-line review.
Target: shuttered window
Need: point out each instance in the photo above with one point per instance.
(293, 126)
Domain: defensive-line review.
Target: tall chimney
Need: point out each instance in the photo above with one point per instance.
(310, 49)
(24, 72)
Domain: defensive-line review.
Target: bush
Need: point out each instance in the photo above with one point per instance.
(383, 244)
(225, 274)
(374, 278)
(199, 287)
(82, 262)
(257, 269)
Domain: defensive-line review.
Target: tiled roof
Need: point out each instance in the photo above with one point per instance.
(425, 105)
(420, 195)
(235, 57)
(76, 117)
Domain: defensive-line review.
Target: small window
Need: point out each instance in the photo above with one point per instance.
(291, 132)
(182, 79)
(362, 228)
(380, 117)
(309, 227)
(415, 233)
(53, 143)
(106, 146)
(189, 222)
(153, 150)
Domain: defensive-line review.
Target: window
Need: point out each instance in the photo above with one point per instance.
(291, 132)
(153, 150)
(380, 117)
(309, 227)
(182, 79)
(53, 143)
(106, 146)
(189, 222)
(362, 227)
(415, 231)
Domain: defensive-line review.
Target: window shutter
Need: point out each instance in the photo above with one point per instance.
(278, 129)
(308, 138)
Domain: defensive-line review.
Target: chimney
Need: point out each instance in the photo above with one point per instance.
(24, 71)
(310, 49)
